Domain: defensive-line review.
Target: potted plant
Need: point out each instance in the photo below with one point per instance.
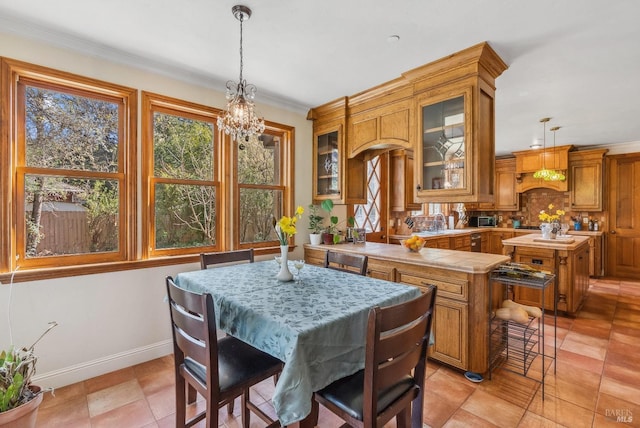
(315, 225)
(331, 232)
(19, 398)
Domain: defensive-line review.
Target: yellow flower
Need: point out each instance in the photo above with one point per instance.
(286, 227)
(544, 216)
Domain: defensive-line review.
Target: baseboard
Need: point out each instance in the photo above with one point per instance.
(89, 369)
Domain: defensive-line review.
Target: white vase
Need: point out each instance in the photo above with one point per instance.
(547, 229)
(284, 274)
(315, 238)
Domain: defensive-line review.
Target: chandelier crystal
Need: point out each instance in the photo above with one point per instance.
(544, 173)
(241, 121)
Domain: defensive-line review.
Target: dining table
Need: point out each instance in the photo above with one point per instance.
(316, 326)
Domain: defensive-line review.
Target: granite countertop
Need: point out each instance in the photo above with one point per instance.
(535, 240)
(462, 261)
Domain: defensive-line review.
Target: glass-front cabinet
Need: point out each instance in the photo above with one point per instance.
(443, 145)
(455, 157)
(335, 176)
(327, 165)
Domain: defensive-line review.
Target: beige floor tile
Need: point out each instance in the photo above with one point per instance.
(493, 409)
(113, 397)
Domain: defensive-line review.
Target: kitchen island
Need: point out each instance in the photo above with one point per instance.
(462, 279)
(566, 257)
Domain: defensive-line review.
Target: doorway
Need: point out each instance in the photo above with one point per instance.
(623, 234)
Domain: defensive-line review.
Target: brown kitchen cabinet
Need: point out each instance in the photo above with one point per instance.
(456, 124)
(586, 178)
(507, 198)
(401, 190)
(530, 161)
(335, 176)
(568, 262)
(451, 312)
(386, 125)
(495, 240)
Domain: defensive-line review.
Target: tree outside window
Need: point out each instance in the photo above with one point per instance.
(70, 185)
(182, 185)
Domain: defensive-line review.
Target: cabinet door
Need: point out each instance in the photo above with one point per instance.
(327, 166)
(380, 270)
(585, 174)
(335, 177)
(539, 259)
(495, 240)
(443, 146)
(388, 125)
(449, 328)
(506, 197)
(401, 173)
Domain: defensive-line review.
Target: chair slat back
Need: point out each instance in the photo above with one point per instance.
(397, 341)
(193, 328)
(354, 263)
(208, 259)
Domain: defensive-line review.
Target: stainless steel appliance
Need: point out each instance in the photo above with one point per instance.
(482, 221)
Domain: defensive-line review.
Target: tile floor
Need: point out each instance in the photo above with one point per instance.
(597, 383)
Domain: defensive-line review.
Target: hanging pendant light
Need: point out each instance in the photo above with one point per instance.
(241, 121)
(544, 173)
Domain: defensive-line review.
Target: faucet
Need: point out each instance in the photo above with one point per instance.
(439, 221)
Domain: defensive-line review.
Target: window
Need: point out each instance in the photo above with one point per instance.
(181, 166)
(368, 216)
(68, 177)
(67, 152)
(264, 185)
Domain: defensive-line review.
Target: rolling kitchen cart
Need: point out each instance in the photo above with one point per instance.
(515, 346)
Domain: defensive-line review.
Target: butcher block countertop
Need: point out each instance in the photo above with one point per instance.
(534, 240)
(461, 261)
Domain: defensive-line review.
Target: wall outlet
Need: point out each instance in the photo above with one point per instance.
(585, 220)
(500, 218)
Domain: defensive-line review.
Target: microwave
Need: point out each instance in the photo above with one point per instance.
(482, 221)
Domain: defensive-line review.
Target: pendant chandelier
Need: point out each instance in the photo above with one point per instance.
(544, 173)
(241, 121)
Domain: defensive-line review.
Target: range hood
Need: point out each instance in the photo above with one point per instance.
(530, 161)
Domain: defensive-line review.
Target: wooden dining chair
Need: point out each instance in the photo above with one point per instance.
(219, 370)
(354, 263)
(394, 368)
(208, 259)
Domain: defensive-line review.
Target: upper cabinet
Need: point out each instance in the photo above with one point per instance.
(381, 118)
(456, 124)
(585, 175)
(506, 195)
(334, 175)
(401, 190)
(530, 161)
(443, 112)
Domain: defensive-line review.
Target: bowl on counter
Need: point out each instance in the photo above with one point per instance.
(414, 244)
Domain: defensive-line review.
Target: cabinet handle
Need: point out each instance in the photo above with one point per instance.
(613, 232)
(418, 187)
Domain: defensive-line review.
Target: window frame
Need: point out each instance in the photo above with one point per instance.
(15, 75)
(151, 103)
(286, 134)
(133, 252)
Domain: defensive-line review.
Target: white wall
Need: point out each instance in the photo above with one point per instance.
(110, 321)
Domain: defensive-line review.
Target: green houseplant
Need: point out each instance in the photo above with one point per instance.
(331, 235)
(315, 225)
(19, 398)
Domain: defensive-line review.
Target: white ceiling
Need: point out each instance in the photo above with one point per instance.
(577, 61)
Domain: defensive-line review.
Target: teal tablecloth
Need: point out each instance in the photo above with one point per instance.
(317, 328)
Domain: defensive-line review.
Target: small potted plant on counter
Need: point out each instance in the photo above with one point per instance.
(315, 225)
(19, 398)
(331, 232)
